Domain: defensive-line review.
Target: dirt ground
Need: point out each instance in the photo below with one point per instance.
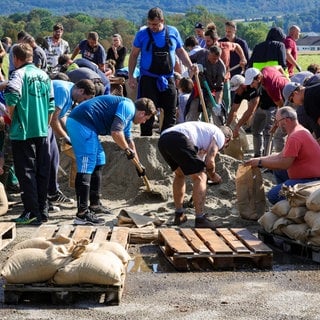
(153, 288)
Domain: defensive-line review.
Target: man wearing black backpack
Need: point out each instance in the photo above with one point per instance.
(158, 45)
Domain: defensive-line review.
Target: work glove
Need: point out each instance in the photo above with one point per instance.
(298, 68)
(129, 153)
(143, 171)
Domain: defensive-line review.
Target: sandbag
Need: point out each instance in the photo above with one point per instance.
(313, 201)
(36, 243)
(314, 241)
(312, 219)
(297, 232)
(267, 221)
(92, 267)
(281, 208)
(251, 200)
(3, 200)
(234, 149)
(279, 224)
(112, 246)
(297, 194)
(33, 265)
(296, 214)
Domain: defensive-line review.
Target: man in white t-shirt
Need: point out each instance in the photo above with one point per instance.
(190, 149)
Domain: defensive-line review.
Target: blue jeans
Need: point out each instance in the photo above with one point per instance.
(281, 177)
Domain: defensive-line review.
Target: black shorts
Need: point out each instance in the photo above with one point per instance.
(178, 151)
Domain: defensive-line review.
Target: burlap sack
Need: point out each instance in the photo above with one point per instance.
(251, 200)
(296, 214)
(313, 201)
(297, 195)
(314, 241)
(92, 267)
(312, 219)
(36, 243)
(281, 208)
(234, 149)
(297, 232)
(33, 265)
(3, 200)
(111, 246)
(267, 221)
(279, 224)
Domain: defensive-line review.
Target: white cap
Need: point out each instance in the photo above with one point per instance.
(250, 74)
(236, 81)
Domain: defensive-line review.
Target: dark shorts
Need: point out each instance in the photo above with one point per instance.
(178, 151)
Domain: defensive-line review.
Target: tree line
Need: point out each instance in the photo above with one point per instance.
(39, 23)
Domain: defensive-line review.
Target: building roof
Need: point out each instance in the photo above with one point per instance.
(309, 41)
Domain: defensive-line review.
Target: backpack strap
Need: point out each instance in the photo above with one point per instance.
(151, 39)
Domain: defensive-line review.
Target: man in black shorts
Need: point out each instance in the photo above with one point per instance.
(190, 149)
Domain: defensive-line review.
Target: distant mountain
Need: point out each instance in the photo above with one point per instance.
(135, 10)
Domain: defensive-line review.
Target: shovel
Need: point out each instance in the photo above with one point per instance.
(151, 193)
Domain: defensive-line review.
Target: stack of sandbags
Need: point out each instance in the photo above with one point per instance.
(298, 217)
(61, 260)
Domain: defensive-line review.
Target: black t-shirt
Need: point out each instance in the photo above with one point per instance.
(248, 94)
(312, 101)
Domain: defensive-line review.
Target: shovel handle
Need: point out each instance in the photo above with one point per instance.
(203, 104)
(139, 168)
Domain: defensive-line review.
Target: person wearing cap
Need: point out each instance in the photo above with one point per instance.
(242, 92)
(298, 162)
(199, 31)
(308, 97)
(231, 29)
(270, 81)
(56, 46)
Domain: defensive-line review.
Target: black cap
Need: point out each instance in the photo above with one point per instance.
(199, 25)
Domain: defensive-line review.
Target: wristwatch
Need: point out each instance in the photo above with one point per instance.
(260, 164)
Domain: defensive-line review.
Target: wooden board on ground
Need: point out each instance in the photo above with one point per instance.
(7, 233)
(109, 294)
(205, 249)
(290, 246)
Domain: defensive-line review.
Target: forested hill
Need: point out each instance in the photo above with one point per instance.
(135, 10)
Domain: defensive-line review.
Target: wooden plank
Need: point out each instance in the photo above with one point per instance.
(176, 243)
(120, 235)
(46, 230)
(101, 234)
(251, 241)
(213, 241)
(233, 241)
(65, 230)
(82, 232)
(194, 241)
(7, 233)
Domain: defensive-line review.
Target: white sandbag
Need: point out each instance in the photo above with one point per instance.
(297, 232)
(267, 221)
(281, 208)
(92, 267)
(312, 219)
(296, 214)
(313, 201)
(33, 265)
(112, 246)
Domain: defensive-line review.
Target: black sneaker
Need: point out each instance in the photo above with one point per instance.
(204, 222)
(179, 218)
(100, 209)
(52, 208)
(88, 218)
(59, 197)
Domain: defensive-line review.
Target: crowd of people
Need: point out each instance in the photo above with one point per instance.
(193, 89)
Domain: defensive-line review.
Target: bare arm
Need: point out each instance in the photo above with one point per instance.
(56, 124)
(132, 64)
(239, 51)
(210, 162)
(274, 161)
(184, 57)
(75, 52)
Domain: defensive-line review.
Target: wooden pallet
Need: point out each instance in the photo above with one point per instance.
(109, 294)
(205, 249)
(7, 233)
(290, 246)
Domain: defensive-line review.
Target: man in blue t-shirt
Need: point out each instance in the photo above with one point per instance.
(158, 46)
(102, 115)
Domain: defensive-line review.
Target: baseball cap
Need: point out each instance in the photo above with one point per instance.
(288, 90)
(236, 81)
(250, 74)
(199, 25)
